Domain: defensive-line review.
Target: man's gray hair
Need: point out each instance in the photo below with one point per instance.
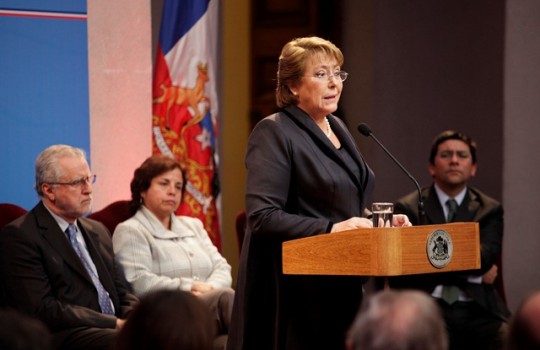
(46, 166)
(399, 320)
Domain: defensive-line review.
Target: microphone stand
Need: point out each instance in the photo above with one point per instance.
(366, 131)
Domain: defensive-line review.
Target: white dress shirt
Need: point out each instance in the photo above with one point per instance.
(443, 198)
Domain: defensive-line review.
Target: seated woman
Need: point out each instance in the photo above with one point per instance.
(159, 250)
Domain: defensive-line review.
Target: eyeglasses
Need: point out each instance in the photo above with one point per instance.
(339, 75)
(82, 182)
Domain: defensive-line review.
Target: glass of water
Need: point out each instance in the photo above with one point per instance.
(382, 214)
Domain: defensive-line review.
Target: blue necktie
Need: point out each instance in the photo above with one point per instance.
(104, 300)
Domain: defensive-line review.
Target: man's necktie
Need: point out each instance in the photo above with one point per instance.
(450, 294)
(104, 300)
(452, 209)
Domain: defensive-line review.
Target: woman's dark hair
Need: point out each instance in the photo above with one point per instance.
(142, 178)
(168, 320)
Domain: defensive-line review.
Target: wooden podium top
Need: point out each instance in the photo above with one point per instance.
(391, 251)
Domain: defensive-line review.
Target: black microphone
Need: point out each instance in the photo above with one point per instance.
(366, 131)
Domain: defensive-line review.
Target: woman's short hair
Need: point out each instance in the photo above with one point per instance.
(142, 178)
(292, 64)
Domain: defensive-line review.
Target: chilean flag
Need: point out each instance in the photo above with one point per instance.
(185, 104)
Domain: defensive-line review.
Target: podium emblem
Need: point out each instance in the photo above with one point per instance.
(439, 248)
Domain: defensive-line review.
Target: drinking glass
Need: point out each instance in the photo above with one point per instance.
(382, 214)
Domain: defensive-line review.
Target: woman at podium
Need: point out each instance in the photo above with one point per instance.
(305, 176)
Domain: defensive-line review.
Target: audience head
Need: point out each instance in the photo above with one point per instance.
(293, 60)
(160, 173)
(21, 332)
(168, 320)
(398, 320)
(524, 333)
(64, 181)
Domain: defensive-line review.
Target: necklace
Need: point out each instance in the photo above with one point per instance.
(329, 132)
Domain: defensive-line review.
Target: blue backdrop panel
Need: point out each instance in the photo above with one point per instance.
(43, 96)
(71, 6)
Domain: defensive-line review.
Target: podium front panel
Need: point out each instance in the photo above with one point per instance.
(390, 251)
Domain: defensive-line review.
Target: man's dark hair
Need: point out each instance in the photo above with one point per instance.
(451, 135)
(168, 320)
(523, 331)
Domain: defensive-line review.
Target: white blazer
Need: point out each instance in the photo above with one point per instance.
(155, 258)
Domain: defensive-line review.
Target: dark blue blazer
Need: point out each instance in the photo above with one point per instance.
(298, 185)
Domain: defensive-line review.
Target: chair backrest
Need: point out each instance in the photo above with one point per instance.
(112, 214)
(241, 224)
(499, 282)
(10, 212)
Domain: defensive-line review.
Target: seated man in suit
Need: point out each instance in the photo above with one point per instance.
(59, 267)
(474, 312)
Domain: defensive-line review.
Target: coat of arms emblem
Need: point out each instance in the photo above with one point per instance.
(439, 248)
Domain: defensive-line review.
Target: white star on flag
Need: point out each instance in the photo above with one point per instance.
(204, 138)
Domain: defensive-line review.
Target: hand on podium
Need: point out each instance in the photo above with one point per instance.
(400, 220)
(352, 224)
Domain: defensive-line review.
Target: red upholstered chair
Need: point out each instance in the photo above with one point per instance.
(112, 214)
(241, 223)
(9, 212)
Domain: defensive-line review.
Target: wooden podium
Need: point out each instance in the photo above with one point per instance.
(391, 251)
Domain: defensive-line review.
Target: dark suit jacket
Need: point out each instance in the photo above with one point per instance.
(476, 207)
(43, 276)
(297, 186)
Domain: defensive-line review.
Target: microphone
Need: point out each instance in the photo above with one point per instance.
(366, 131)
